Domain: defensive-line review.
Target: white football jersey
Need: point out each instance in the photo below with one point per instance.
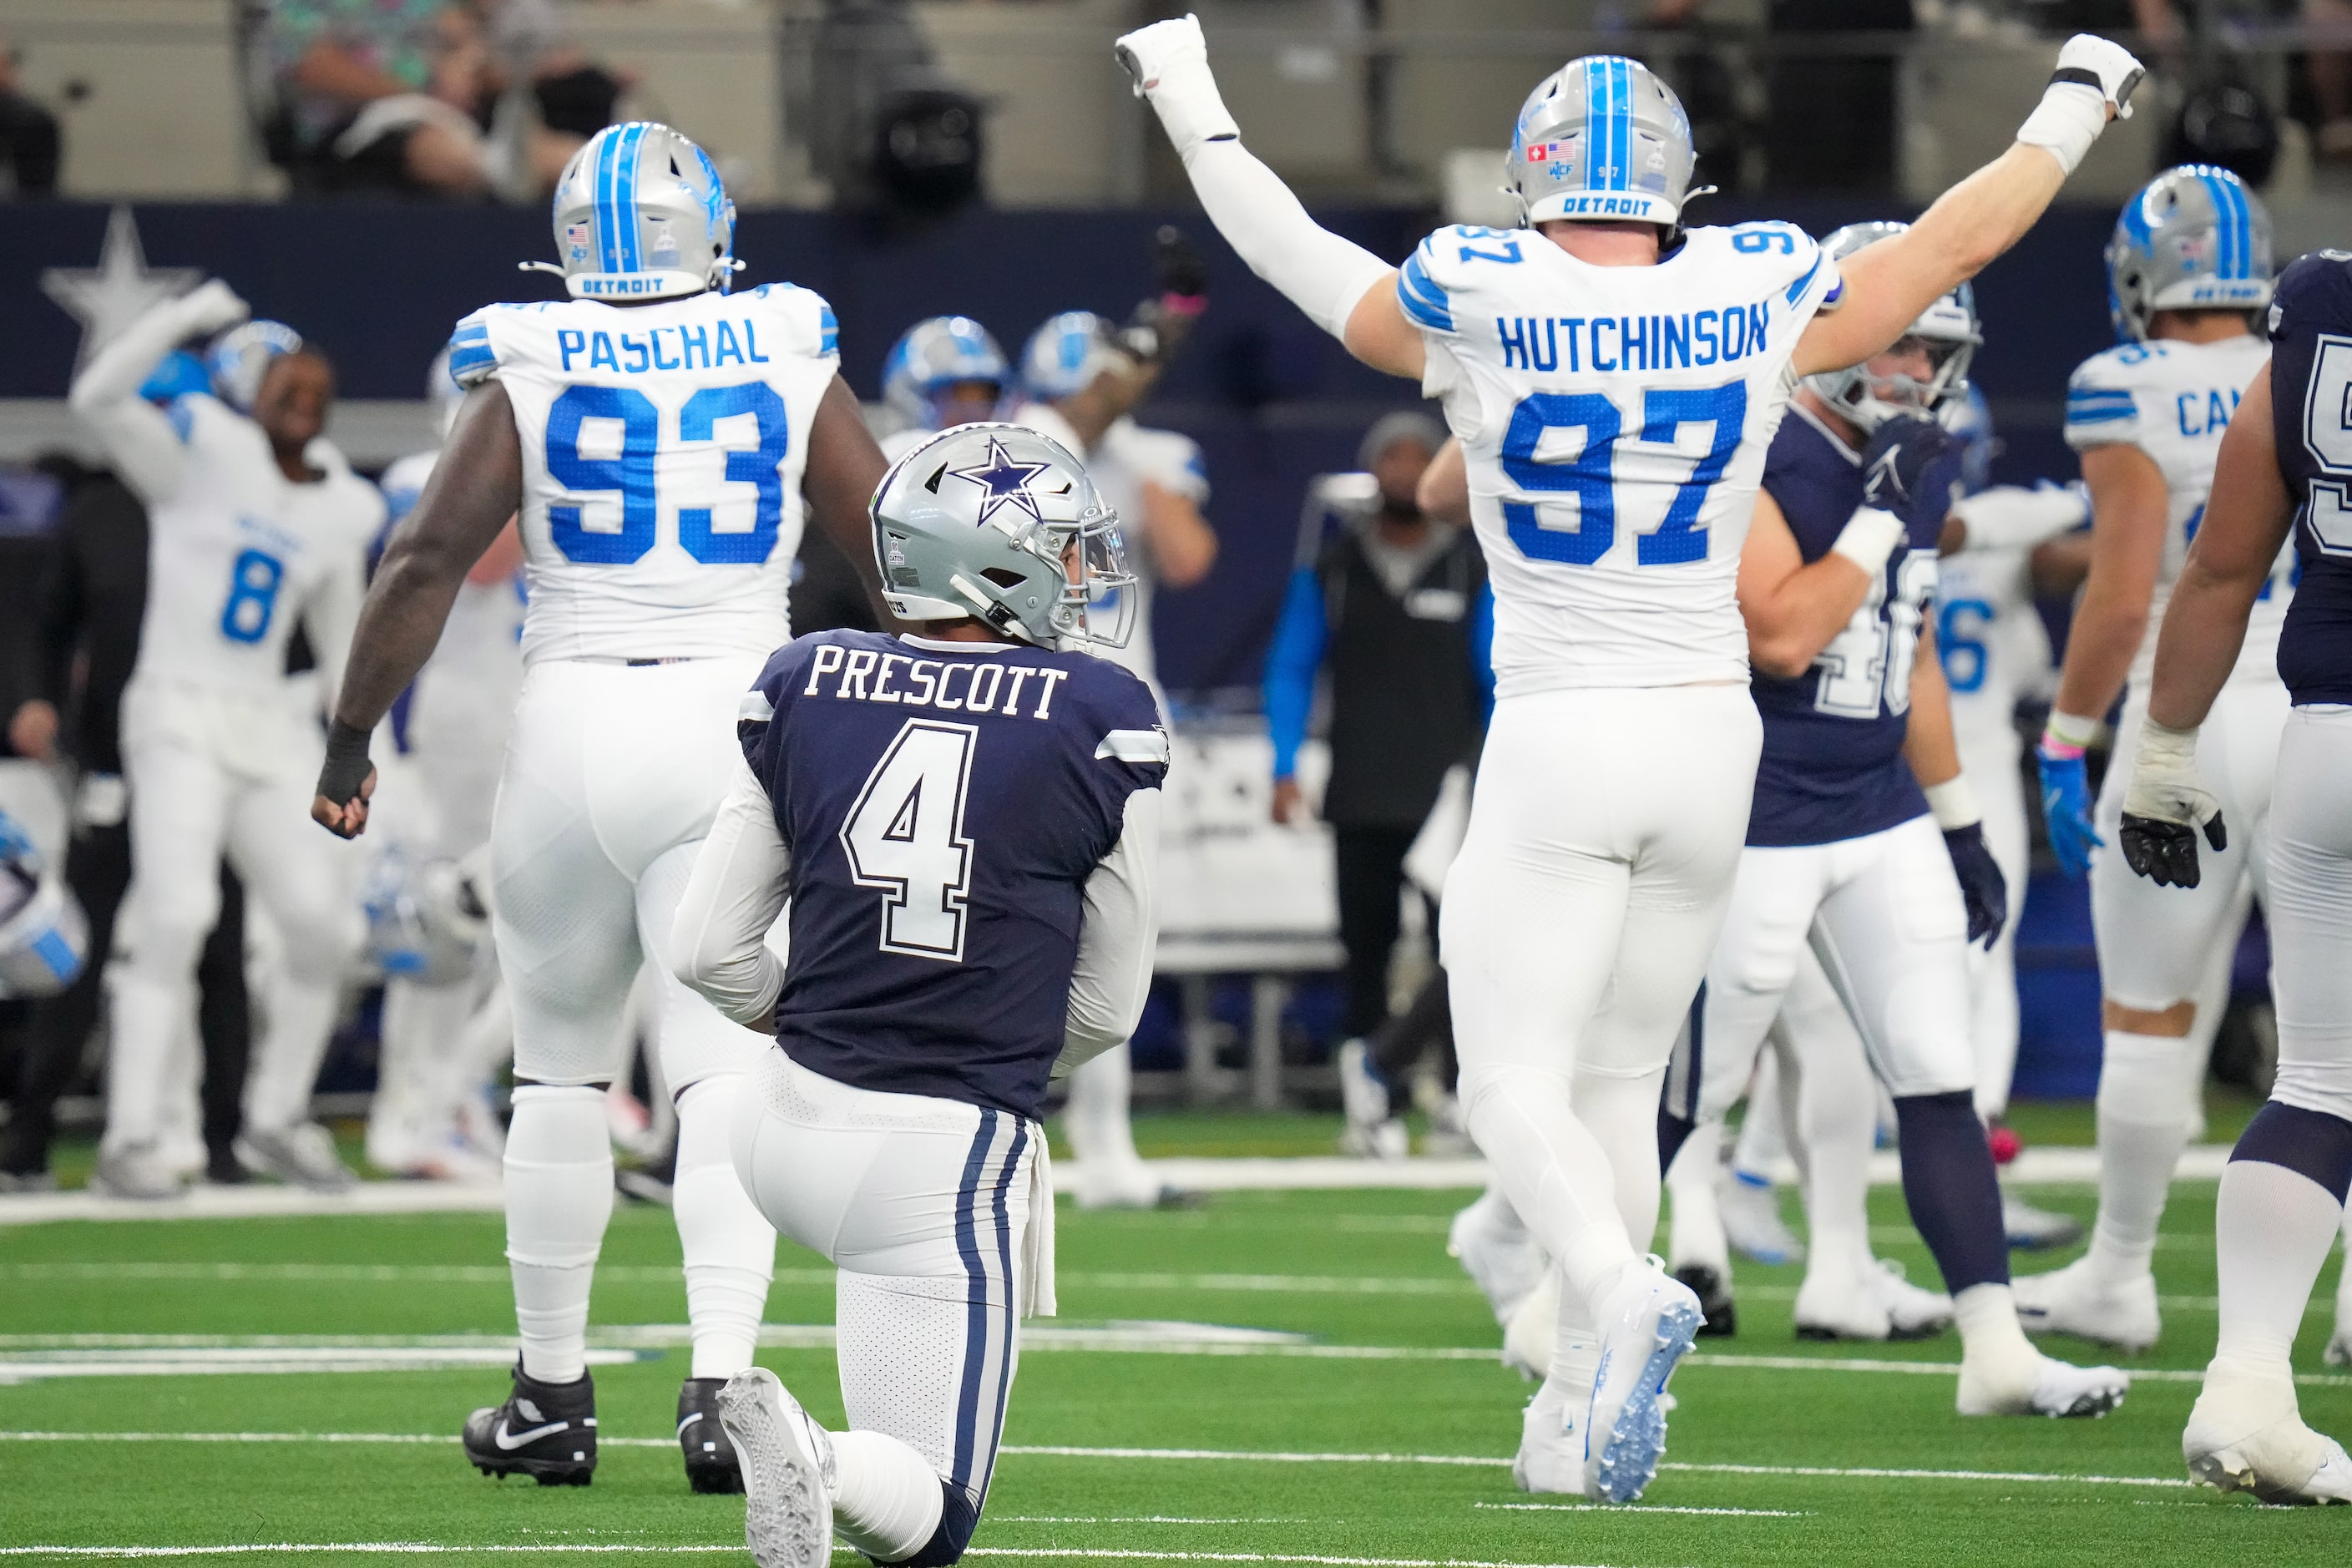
(238, 553)
(1615, 420)
(662, 445)
(2172, 400)
(1991, 642)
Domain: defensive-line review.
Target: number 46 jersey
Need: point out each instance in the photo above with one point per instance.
(1614, 421)
(662, 445)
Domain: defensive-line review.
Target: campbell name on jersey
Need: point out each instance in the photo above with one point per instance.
(1833, 766)
(2172, 400)
(2310, 415)
(662, 445)
(1614, 422)
(238, 551)
(944, 805)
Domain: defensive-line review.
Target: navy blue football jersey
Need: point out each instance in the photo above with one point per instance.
(1833, 764)
(944, 810)
(2311, 413)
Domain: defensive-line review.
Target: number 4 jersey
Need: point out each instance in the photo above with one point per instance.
(943, 805)
(662, 448)
(1615, 420)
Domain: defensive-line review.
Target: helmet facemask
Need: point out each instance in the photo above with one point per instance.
(1086, 560)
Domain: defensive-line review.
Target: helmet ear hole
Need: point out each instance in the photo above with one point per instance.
(1002, 578)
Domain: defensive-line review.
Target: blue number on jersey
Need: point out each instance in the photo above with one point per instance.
(252, 582)
(1589, 477)
(1963, 645)
(1507, 254)
(756, 467)
(632, 473)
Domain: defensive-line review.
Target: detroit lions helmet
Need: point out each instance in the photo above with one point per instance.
(640, 214)
(998, 522)
(2194, 239)
(1601, 139)
(240, 357)
(934, 355)
(1063, 357)
(1946, 329)
(427, 919)
(44, 937)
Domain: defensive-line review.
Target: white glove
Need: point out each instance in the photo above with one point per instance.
(209, 307)
(2093, 75)
(2164, 783)
(1170, 63)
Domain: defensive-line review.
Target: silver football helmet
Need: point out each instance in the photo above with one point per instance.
(1063, 357)
(640, 214)
(1601, 139)
(1947, 330)
(427, 921)
(935, 354)
(998, 522)
(240, 357)
(2194, 239)
(44, 936)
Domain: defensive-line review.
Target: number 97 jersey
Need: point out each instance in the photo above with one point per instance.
(661, 451)
(1614, 421)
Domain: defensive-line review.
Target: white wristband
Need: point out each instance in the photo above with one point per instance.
(1954, 804)
(2073, 729)
(2066, 121)
(1869, 537)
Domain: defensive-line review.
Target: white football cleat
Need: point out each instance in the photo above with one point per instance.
(1551, 1457)
(1835, 1303)
(1647, 1322)
(1913, 1312)
(1993, 1386)
(140, 1170)
(1534, 1329)
(1752, 1222)
(2077, 1301)
(787, 1464)
(2246, 1435)
(1373, 1132)
(2031, 1228)
(1496, 1252)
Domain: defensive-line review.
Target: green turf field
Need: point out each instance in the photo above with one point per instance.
(1381, 1433)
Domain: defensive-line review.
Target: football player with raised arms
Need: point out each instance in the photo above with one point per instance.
(1615, 379)
(657, 435)
(258, 525)
(2189, 271)
(2282, 476)
(967, 822)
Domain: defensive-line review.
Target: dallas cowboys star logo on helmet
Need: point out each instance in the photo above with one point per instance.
(1006, 481)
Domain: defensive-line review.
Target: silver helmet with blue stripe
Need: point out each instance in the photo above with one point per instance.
(240, 357)
(640, 214)
(1602, 139)
(2195, 239)
(44, 936)
(935, 354)
(1063, 357)
(1947, 332)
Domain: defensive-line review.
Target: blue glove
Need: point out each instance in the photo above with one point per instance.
(2066, 811)
(1983, 889)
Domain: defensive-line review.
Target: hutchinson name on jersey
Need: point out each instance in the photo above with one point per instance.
(667, 438)
(1614, 422)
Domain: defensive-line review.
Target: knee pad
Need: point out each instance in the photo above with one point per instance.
(559, 1176)
(959, 1517)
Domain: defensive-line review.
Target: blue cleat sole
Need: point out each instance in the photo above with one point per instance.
(1638, 1440)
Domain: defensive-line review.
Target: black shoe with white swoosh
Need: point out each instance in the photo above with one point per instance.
(710, 1463)
(545, 1430)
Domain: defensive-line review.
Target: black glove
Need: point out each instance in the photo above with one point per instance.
(348, 775)
(2166, 852)
(1178, 265)
(1983, 889)
(1895, 465)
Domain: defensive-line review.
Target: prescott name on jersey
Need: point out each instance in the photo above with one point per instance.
(2311, 413)
(1613, 421)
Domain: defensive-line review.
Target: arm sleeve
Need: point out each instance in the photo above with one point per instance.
(2010, 517)
(1322, 274)
(719, 943)
(146, 444)
(1116, 937)
(1290, 666)
(2101, 408)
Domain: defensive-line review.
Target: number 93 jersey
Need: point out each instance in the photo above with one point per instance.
(662, 445)
(1614, 421)
(2311, 421)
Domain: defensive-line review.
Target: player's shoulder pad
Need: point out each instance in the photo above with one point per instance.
(810, 324)
(2102, 396)
(473, 347)
(1445, 263)
(1117, 713)
(787, 674)
(2313, 295)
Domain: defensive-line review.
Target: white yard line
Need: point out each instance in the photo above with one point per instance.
(1637, 1507)
(434, 1549)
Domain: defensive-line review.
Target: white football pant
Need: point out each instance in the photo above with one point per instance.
(2310, 910)
(1990, 765)
(613, 774)
(1576, 927)
(210, 773)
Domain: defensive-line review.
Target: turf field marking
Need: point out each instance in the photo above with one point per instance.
(191, 1360)
(434, 1549)
(1869, 1474)
(1636, 1507)
(1124, 1519)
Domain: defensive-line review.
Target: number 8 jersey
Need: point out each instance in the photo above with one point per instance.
(1614, 421)
(662, 448)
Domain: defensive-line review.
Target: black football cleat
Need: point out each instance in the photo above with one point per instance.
(1722, 1321)
(710, 1465)
(545, 1430)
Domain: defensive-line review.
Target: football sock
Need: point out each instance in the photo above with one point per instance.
(145, 1023)
(2143, 1126)
(285, 1061)
(1763, 1135)
(1102, 1136)
(1990, 1334)
(1555, 1173)
(1837, 1122)
(2281, 1204)
(887, 1499)
(559, 1197)
(1575, 1348)
(730, 1247)
(1955, 1199)
(1618, 1112)
(1695, 1235)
